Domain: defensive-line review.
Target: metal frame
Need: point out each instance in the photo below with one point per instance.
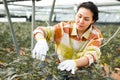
(11, 26)
(33, 21)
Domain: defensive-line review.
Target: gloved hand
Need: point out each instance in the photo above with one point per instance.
(40, 50)
(68, 65)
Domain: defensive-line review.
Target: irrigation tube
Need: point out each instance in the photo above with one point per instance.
(111, 37)
(11, 26)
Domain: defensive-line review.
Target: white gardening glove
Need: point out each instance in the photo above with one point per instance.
(40, 49)
(68, 65)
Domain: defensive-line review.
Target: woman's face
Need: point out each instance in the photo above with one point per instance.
(83, 19)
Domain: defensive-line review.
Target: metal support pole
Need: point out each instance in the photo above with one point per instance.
(51, 13)
(11, 26)
(33, 23)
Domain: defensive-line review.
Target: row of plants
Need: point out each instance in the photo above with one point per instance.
(22, 66)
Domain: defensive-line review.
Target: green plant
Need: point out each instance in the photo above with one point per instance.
(17, 67)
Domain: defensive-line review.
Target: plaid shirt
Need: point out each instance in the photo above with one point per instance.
(69, 45)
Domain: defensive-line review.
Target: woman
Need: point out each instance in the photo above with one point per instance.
(77, 44)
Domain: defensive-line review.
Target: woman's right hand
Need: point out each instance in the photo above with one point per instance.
(40, 49)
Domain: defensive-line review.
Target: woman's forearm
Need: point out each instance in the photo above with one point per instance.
(81, 62)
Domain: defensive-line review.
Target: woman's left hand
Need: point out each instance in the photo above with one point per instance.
(68, 65)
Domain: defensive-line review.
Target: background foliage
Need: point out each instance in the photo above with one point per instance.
(22, 67)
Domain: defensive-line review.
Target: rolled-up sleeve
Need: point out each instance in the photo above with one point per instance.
(47, 32)
(92, 50)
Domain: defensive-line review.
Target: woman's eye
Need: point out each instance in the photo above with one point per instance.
(79, 16)
(86, 19)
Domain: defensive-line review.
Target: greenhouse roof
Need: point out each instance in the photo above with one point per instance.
(68, 2)
(62, 7)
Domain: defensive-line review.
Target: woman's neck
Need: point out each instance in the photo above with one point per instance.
(80, 33)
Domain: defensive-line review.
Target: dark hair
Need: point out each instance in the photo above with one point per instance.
(92, 7)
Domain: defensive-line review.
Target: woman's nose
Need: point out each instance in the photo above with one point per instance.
(81, 20)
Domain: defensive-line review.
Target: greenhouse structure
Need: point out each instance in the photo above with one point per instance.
(19, 18)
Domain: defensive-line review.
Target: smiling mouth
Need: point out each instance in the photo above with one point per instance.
(80, 26)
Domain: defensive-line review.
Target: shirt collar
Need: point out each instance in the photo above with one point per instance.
(85, 35)
(74, 30)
